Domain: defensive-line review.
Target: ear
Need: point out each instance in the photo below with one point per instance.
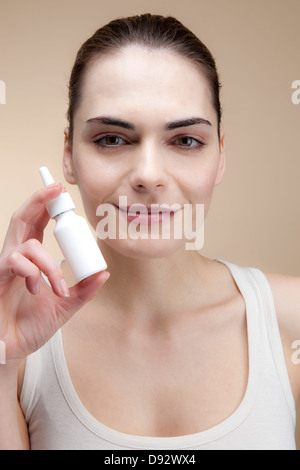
(222, 160)
(68, 169)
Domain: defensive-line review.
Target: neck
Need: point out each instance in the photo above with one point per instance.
(157, 288)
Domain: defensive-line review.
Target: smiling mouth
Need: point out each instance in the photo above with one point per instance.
(147, 215)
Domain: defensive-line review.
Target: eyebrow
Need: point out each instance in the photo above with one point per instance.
(127, 125)
(186, 122)
(111, 122)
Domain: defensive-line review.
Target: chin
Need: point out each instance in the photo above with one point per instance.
(146, 249)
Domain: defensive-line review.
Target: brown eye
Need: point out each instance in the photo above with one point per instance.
(188, 142)
(185, 141)
(110, 141)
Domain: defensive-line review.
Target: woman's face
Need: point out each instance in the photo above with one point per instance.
(146, 130)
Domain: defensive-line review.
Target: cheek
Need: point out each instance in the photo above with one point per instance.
(90, 204)
(92, 189)
(203, 184)
(97, 188)
(200, 197)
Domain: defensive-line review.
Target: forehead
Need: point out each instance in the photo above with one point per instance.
(135, 79)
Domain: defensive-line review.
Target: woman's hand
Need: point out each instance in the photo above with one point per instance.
(30, 310)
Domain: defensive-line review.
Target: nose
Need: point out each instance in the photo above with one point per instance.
(149, 172)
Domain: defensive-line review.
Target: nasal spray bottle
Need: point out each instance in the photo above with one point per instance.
(73, 235)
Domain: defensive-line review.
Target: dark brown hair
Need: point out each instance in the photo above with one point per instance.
(152, 31)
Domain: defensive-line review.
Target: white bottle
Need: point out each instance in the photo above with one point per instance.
(73, 235)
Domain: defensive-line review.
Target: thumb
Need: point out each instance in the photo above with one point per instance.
(82, 293)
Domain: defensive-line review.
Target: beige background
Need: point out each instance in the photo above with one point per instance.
(255, 216)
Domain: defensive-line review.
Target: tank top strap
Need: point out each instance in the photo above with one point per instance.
(252, 282)
(270, 316)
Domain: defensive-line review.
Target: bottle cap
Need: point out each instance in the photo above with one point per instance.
(62, 203)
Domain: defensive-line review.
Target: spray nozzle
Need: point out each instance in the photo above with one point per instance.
(46, 176)
(62, 203)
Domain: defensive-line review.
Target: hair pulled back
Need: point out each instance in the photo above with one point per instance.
(154, 32)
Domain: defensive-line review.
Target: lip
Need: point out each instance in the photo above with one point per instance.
(155, 214)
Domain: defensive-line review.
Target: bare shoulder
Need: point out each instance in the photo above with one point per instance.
(286, 294)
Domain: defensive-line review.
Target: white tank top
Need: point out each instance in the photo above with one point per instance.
(264, 420)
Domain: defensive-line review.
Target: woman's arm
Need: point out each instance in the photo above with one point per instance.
(31, 311)
(13, 429)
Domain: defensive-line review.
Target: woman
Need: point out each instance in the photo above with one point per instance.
(174, 351)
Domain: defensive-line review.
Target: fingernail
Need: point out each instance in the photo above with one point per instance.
(64, 288)
(52, 185)
(36, 289)
(106, 276)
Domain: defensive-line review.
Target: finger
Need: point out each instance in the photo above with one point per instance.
(82, 293)
(18, 265)
(39, 256)
(37, 202)
(86, 289)
(30, 220)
